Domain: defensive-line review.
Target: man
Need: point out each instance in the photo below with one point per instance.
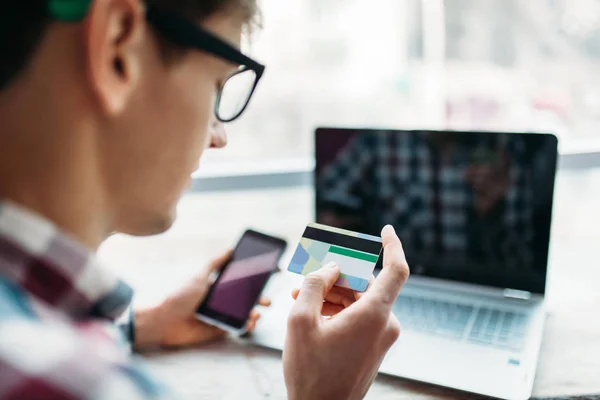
(105, 109)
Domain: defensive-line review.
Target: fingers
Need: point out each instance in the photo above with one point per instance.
(346, 292)
(342, 298)
(251, 325)
(330, 309)
(265, 302)
(335, 301)
(394, 274)
(337, 295)
(315, 287)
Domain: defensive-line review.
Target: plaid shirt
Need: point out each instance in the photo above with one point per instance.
(390, 177)
(58, 339)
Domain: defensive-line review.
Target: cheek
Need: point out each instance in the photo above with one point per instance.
(191, 106)
(200, 100)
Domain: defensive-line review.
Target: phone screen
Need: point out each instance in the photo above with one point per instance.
(238, 287)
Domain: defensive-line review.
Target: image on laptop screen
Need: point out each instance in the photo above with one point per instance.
(471, 207)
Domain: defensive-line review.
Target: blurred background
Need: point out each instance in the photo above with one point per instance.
(464, 64)
(508, 65)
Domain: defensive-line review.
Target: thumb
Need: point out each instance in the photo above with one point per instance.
(218, 263)
(192, 294)
(203, 279)
(315, 287)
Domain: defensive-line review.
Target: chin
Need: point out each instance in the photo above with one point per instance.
(162, 225)
(150, 225)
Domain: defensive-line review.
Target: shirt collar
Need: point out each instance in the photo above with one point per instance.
(56, 269)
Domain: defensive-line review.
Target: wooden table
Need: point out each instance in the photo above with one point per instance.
(570, 356)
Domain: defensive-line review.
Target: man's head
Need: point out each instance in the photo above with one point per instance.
(134, 109)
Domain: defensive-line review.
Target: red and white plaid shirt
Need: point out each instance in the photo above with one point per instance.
(58, 339)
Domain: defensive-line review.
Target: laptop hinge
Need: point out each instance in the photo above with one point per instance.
(517, 294)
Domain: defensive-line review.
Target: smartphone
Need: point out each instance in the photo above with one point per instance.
(237, 289)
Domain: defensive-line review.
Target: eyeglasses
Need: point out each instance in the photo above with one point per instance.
(235, 93)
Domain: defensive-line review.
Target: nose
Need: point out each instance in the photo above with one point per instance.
(218, 135)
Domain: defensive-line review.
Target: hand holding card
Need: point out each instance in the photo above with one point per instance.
(321, 355)
(355, 253)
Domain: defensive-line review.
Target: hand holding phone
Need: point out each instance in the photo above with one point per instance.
(237, 289)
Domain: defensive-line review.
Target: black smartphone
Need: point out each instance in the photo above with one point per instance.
(237, 289)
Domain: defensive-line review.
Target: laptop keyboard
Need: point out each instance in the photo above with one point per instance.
(481, 325)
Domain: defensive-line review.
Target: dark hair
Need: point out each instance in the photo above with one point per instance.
(23, 23)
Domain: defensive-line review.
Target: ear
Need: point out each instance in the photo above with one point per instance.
(113, 31)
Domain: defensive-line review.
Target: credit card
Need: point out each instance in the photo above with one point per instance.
(355, 253)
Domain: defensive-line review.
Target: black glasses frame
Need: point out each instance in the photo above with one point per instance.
(185, 33)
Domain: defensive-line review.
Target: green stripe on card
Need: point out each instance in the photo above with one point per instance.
(353, 254)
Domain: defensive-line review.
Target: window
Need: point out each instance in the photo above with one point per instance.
(464, 64)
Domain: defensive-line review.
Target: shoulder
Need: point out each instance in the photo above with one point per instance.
(57, 359)
(14, 303)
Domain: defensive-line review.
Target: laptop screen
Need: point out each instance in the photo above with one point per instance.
(470, 207)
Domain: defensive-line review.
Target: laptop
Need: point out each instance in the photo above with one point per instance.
(473, 210)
